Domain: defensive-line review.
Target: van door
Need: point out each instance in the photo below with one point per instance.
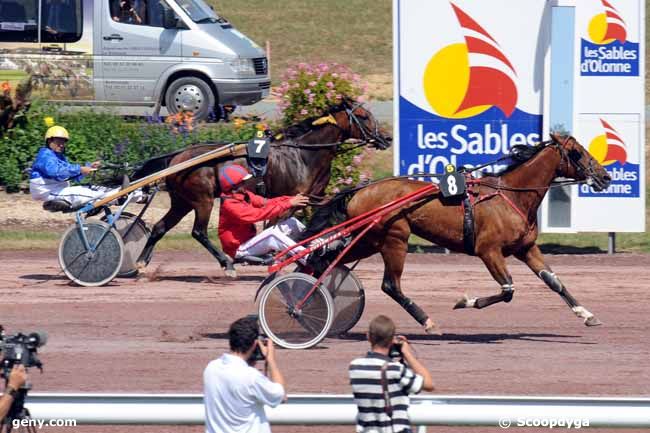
(136, 49)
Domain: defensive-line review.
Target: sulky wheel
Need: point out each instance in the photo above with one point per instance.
(287, 325)
(349, 299)
(135, 234)
(91, 268)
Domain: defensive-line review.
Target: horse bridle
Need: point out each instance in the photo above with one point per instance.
(367, 135)
(573, 157)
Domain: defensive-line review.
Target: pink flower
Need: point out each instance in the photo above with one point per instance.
(312, 83)
(357, 160)
(348, 169)
(363, 176)
(311, 98)
(361, 98)
(303, 112)
(328, 95)
(335, 75)
(330, 85)
(338, 96)
(306, 91)
(348, 181)
(336, 190)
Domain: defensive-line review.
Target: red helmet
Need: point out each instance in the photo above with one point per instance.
(232, 175)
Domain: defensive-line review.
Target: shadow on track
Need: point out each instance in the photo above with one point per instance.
(486, 338)
(203, 279)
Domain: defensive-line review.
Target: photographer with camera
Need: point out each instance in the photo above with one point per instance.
(125, 12)
(382, 384)
(17, 379)
(17, 353)
(234, 392)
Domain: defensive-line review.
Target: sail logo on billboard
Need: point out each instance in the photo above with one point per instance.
(607, 52)
(471, 90)
(465, 79)
(611, 151)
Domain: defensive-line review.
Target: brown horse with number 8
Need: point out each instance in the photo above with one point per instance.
(504, 222)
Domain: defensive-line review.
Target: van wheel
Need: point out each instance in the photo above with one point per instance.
(190, 94)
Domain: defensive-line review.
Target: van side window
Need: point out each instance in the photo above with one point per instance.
(155, 12)
(61, 21)
(139, 12)
(18, 20)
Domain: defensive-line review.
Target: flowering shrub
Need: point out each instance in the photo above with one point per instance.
(181, 122)
(346, 170)
(308, 91)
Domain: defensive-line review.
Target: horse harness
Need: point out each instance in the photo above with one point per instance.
(472, 195)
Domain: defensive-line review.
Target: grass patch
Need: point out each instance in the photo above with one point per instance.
(357, 33)
(29, 240)
(12, 75)
(556, 243)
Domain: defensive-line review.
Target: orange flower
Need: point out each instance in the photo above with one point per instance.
(6, 87)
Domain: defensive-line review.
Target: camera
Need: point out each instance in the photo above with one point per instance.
(126, 5)
(257, 353)
(396, 351)
(20, 349)
(262, 338)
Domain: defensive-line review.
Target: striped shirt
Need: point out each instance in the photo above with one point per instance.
(365, 378)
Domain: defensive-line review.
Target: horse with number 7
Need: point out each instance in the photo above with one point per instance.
(502, 219)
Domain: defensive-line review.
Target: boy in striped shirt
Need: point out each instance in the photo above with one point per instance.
(382, 386)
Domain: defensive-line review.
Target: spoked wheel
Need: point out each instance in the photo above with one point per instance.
(135, 234)
(289, 326)
(91, 268)
(349, 299)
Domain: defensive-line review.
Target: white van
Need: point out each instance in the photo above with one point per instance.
(175, 53)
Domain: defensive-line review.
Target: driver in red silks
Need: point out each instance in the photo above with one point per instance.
(240, 209)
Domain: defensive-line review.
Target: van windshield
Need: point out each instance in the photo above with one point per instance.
(198, 11)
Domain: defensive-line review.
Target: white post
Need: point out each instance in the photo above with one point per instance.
(611, 243)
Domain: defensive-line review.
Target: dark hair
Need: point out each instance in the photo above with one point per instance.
(242, 334)
(381, 331)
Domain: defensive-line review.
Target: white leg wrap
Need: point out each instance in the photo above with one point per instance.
(470, 302)
(508, 287)
(582, 312)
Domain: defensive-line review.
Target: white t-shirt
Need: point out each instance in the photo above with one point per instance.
(235, 394)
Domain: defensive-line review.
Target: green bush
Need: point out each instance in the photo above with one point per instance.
(95, 135)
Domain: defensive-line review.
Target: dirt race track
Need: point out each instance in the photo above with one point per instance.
(156, 334)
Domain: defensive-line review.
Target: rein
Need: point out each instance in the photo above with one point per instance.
(320, 146)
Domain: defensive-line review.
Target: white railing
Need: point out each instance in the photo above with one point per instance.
(340, 409)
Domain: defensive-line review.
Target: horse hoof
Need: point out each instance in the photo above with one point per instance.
(592, 321)
(432, 328)
(464, 302)
(140, 266)
(230, 273)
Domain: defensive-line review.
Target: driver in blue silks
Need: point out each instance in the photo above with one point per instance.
(51, 174)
